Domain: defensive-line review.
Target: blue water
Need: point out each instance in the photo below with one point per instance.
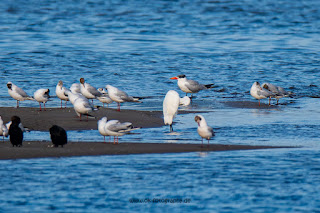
(137, 46)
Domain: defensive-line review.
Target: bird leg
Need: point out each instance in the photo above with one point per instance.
(44, 104)
(17, 104)
(259, 102)
(118, 107)
(269, 100)
(171, 128)
(61, 103)
(40, 106)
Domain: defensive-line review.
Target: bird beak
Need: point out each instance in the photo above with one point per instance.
(174, 78)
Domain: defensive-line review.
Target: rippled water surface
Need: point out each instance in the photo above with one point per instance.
(137, 46)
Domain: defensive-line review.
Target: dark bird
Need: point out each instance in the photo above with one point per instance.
(15, 132)
(58, 136)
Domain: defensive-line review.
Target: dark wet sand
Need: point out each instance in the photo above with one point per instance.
(37, 149)
(67, 118)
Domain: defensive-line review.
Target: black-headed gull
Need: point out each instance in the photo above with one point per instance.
(258, 92)
(170, 107)
(120, 96)
(203, 130)
(15, 132)
(82, 106)
(279, 92)
(104, 98)
(88, 91)
(190, 86)
(115, 128)
(3, 129)
(42, 96)
(58, 136)
(17, 93)
(101, 127)
(60, 92)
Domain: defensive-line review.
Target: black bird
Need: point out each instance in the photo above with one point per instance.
(15, 132)
(58, 136)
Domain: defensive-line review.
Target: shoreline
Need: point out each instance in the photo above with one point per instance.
(38, 149)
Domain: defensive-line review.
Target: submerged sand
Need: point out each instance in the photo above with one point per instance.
(37, 149)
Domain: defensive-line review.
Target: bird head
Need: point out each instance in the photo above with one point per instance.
(82, 80)
(9, 85)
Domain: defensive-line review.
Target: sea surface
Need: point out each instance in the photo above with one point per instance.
(138, 46)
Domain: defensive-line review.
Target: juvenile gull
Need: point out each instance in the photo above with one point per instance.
(279, 92)
(17, 93)
(104, 98)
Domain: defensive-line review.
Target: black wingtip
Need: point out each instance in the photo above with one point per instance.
(208, 86)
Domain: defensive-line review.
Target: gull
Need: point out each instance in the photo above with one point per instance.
(101, 127)
(75, 88)
(3, 129)
(120, 96)
(83, 107)
(279, 92)
(17, 93)
(258, 92)
(115, 128)
(60, 92)
(170, 107)
(204, 130)
(185, 101)
(190, 86)
(42, 95)
(88, 91)
(58, 136)
(15, 132)
(104, 98)
(73, 96)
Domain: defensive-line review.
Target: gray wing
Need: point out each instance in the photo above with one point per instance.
(272, 88)
(210, 129)
(21, 92)
(120, 126)
(93, 90)
(265, 93)
(194, 86)
(282, 91)
(124, 96)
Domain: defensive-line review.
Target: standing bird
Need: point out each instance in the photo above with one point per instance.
(42, 95)
(170, 107)
(101, 127)
(279, 92)
(258, 92)
(115, 128)
(60, 92)
(88, 91)
(104, 98)
(120, 96)
(190, 86)
(204, 130)
(58, 136)
(4, 132)
(17, 93)
(82, 106)
(75, 88)
(15, 132)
